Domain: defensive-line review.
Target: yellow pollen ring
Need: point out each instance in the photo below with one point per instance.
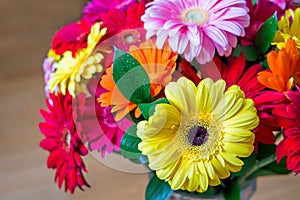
(210, 147)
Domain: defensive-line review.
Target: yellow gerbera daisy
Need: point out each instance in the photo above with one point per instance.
(70, 70)
(288, 27)
(199, 137)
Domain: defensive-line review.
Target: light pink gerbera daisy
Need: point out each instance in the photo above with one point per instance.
(195, 28)
(49, 66)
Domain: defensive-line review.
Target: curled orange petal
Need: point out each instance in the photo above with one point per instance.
(285, 68)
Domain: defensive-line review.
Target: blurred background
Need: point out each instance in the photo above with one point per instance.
(26, 29)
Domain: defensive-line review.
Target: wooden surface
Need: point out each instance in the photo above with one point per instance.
(26, 27)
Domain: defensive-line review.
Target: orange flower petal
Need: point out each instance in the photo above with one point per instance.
(285, 68)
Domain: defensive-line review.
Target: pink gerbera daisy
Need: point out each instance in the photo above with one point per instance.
(289, 118)
(63, 142)
(100, 130)
(196, 28)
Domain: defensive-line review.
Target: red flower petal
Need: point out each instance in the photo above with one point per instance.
(64, 155)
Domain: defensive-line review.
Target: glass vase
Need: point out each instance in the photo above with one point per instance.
(247, 191)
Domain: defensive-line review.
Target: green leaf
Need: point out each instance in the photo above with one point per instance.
(265, 150)
(148, 109)
(158, 189)
(250, 52)
(132, 131)
(129, 144)
(131, 78)
(265, 64)
(236, 52)
(266, 34)
(254, 2)
(233, 192)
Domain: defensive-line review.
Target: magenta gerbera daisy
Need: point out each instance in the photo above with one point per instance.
(100, 130)
(124, 26)
(93, 8)
(71, 37)
(196, 28)
(63, 142)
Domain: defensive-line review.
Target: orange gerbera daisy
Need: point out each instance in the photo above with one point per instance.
(159, 65)
(285, 68)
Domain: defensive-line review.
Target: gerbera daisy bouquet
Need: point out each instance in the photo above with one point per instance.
(205, 94)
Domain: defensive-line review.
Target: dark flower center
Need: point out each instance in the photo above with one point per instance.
(197, 135)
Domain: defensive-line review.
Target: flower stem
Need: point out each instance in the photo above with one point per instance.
(260, 164)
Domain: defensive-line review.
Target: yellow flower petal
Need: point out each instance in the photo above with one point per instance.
(70, 69)
(203, 177)
(230, 158)
(189, 92)
(288, 27)
(179, 177)
(219, 169)
(241, 149)
(175, 96)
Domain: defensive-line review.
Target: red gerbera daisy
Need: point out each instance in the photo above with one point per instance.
(265, 102)
(63, 142)
(71, 37)
(237, 73)
(188, 71)
(100, 130)
(289, 119)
